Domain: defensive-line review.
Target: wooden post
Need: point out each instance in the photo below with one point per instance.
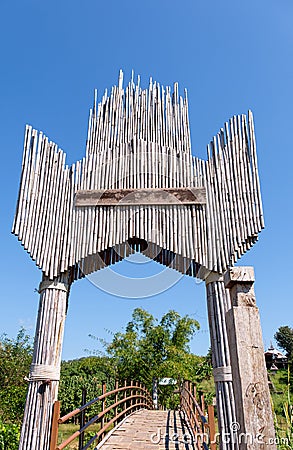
(250, 379)
(45, 369)
(218, 303)
(131, 393)
(82, 420)
(116, 400)
(125, 396)
(212, 427)
(54, 430)
(202, 400)
(136, 393)
(104, 389)
(194, 393)
(191, 406)
(202, 404)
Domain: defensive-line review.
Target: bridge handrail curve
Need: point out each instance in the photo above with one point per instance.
(202, 427)
(99, 398)
(140, 399)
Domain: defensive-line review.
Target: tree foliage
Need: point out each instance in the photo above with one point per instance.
(148, 348)
(15, 360)
(9, 436)
(84, 373)
(157, 349)
(284, 338)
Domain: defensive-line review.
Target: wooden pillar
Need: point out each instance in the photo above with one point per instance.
(250, 380)
(218, 303)
(45, 369)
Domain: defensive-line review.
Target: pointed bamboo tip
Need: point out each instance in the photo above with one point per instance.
(95, 101)
(120, 80)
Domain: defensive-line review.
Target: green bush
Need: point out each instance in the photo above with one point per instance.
(9, 436)
(15, 360)
(84, 373)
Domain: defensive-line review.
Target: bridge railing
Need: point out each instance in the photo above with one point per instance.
(202, 422)
(124, 400)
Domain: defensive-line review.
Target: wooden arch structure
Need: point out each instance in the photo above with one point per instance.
(139, 183)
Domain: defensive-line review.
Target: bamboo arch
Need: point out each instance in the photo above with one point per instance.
(140, 140)
(139, 186)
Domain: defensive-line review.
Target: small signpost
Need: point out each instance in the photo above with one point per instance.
(167, 381)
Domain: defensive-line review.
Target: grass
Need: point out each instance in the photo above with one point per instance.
(67, 429)
(283, 408)
(279, 391)
(278, 385)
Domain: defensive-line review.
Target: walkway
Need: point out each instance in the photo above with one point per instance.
(160, 430)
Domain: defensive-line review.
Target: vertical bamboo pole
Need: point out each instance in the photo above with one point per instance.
(218, 304)
(45, 368)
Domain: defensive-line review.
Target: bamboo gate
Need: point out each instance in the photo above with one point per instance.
(139, 184)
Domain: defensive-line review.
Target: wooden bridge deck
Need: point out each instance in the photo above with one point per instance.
(151, 430)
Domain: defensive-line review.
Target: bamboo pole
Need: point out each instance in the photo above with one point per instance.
(218, 305)
(45, 369)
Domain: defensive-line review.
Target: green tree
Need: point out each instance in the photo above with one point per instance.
(284, 338)
(15, 360)
(156, 349)
(84, 373)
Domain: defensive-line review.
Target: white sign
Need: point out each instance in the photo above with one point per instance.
(166, 381)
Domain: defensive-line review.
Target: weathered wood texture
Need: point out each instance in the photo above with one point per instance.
(218, 303)
(45, 370)
(238, 276)
(250, 380)
(155, 430)
(140, 139)
(120, 197)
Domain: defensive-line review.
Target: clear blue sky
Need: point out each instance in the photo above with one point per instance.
(230, 55)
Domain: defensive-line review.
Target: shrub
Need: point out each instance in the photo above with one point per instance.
(9, 436)
(15, 359)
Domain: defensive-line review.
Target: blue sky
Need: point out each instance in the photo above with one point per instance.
(231, 56)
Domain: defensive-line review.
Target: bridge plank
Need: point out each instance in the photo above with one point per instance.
(151, 430)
